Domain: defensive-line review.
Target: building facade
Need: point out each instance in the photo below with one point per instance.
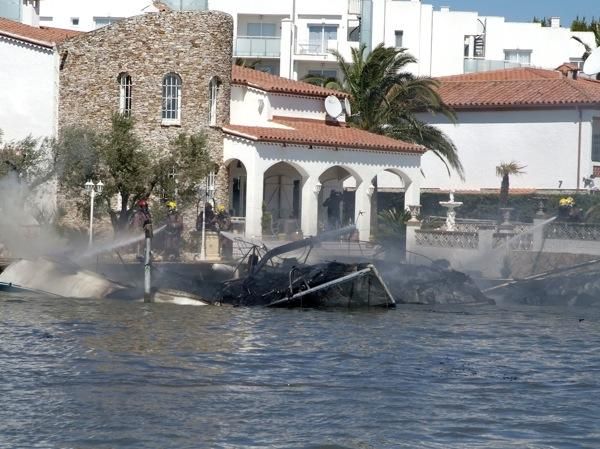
(545, 120)
(28, 73)
(168, 86)
(293, 38)
(306, 170)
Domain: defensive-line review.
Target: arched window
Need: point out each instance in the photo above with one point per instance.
(214, 87)
(125, 85)
(171, 111)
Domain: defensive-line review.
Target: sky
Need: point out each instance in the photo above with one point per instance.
(525, 10)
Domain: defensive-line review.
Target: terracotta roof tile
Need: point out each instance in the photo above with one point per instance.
(276, 84)
(44, 36)
(320, 133)
(519, 73)
(517, 88)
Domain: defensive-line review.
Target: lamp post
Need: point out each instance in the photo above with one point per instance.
(93, 189)
(207, 191)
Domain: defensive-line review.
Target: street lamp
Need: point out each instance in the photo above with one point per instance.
(207, 192)
(93, 189)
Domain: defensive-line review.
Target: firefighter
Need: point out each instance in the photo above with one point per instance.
(173, 231)
(141, 221)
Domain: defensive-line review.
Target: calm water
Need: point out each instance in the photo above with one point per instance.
(101, 374)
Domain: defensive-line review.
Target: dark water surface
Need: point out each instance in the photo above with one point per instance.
(102, 374)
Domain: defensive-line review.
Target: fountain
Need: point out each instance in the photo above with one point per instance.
(450, 213)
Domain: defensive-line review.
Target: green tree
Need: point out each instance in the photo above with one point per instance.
(119, 159)
(386, 99)
(28, 159)
(581, 24)
(544, 21)
(505, 170)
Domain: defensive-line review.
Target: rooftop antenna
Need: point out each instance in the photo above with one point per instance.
(591, 66)
(333, 107)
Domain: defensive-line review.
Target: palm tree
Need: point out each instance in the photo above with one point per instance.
(241, 62)
(386, 99)
(505, 170)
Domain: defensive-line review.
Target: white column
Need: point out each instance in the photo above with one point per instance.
(285, 58)
(254, 201)
(412, 196)
(309, 219)
(362, 209)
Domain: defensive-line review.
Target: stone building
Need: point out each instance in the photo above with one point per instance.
(170, 71)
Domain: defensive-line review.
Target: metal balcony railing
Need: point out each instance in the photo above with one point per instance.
(311, 48)
(256, 46)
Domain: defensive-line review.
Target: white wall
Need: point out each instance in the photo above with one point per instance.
(546, 141)
(254, 107)
(28, 95)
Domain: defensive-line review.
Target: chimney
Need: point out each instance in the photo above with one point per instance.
(445, 9)
(555, 22)
(30, 12)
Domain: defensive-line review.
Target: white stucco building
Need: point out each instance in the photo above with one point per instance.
(286, 155)
(543, 119)
(292, 38)
(28, 76)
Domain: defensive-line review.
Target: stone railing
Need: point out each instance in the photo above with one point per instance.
(443, 239)
(462, 225)
(572, 231)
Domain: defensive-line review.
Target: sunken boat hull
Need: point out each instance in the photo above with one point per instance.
(323, 285)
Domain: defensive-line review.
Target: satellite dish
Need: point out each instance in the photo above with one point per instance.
(592, 63)
(347, 107)
(333, 106)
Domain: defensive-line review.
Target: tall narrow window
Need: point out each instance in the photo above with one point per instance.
(213, 95)
(596, 139)
(171, 110)
(398, 38)
(125, 86)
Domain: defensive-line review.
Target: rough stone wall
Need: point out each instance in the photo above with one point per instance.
(194, 45)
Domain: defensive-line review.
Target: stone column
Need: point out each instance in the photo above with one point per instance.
(412, 196)
(310, 207)
(254, 201)
(362, 209)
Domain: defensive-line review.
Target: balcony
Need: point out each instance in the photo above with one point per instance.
(316, 49)
(472, 65)
(257, 47)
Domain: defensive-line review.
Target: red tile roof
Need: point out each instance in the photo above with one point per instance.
(320, 133)
(44, 36)
(276, 84)
(517, 88)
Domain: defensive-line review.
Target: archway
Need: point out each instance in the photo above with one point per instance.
(237, 188)
(282, 199)
(336, 200)
(388, 206)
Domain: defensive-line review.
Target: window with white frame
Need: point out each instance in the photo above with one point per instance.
(171, 99)
(214, 88)
(518, 56)
(596, 139)
(125, 87)
(398, 38)
(261, 29)
(320, 38)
